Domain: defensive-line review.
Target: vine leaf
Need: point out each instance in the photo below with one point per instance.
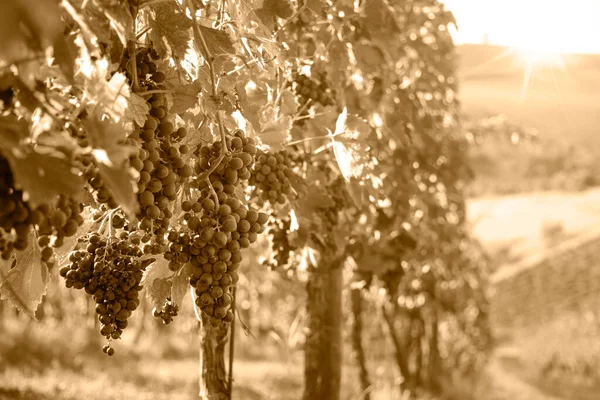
(120, 20)
(181, 282)
(275, 133)
(218, 42)
(137, 111)
(106, 139)
(314, 200)
(43, 176)
(158, 270)
(23, 283)
(169, 30)
(185, 97)
(27, 28)
(158, 291)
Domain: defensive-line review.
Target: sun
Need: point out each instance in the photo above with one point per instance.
(536, 57)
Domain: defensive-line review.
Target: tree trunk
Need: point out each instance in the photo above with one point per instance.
(434, 352)
(323, 349)
(359, 352)
(399, 354)
(213, 377)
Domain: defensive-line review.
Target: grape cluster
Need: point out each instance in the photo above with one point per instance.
(281, 246)
(17, 218)
(167, 312)
(160, 157)
(308, 89)
(110, 270)
(217, 228)
(271, 177)
(58, 222)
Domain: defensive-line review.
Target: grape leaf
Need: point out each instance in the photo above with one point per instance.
(316, 199)
(159, 269)
(24, 282)
(185, 97)
(137, 111)
(218, 42)
(43, 176)
(289, 102)
(120, 19)
(25, 27)
(170, 30)
(158, 291)
(279, 8)
(275, 133)
(181, 283)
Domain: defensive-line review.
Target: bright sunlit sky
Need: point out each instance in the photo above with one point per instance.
(563, 26)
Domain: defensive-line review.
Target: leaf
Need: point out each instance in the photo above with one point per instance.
(120, 20)
(185, 97)
(106, 139)
(280, 8)
(43, 176)
(181, 283)
(169, 30)
(25, 284)
(316, 199)
(137, 110)
(158, 291)
(217, 41)
(159, 269)
(275, 133)
(26, 28)
(64, 55)
(289, 102)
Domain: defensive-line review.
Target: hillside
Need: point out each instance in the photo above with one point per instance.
(561, 103)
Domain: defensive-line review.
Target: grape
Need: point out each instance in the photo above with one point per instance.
(309, 89)
(110, 271)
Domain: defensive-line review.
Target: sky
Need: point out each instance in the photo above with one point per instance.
(563, 26)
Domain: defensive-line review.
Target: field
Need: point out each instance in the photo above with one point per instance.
(561, 105)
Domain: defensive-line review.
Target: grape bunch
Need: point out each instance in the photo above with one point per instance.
(217, 228)
(110, 270)
(167, 312)
(281, 246)
(160, 156)
(17, 218)
(308, 89)
(271, 177)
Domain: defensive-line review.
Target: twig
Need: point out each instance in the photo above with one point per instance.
(144, 31)
(293, 17)
(133, 66)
